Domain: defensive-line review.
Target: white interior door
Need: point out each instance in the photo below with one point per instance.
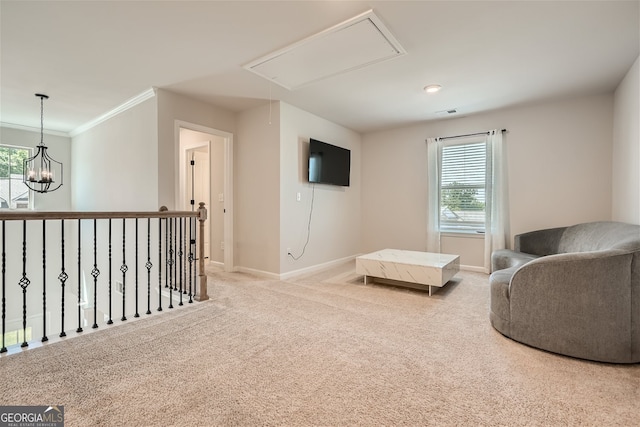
(198, 187)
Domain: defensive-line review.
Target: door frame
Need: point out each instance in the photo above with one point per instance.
(228, 182)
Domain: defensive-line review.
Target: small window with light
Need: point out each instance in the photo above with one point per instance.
(462, 187)
(14, 194)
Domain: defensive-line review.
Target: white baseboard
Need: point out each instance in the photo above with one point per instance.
(216, 264)
(294, 273)
(474, 268)
(317, 267)
(320, 267)
(259, 273)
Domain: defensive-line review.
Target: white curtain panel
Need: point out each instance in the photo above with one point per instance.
(496, 203)
(434, 149)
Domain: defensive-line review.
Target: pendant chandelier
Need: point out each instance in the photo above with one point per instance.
(42, 173)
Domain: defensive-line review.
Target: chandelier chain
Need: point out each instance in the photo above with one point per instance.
(41, 120)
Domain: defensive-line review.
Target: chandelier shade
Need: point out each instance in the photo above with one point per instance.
(42, 173)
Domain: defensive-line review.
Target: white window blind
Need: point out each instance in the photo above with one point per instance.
(462, 187)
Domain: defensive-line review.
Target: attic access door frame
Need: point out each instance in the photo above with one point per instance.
(227, 203)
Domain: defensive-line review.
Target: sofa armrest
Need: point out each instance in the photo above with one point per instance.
(578, 304)
(506, 258)
(539, 242)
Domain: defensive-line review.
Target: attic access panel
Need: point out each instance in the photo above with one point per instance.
(352, 44)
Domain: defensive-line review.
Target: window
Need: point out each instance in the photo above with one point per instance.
(462, 186)
(17, 336)
(14, 194)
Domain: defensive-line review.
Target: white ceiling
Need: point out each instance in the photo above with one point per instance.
(92, 56)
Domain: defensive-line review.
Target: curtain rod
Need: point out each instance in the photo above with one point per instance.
(469, 134)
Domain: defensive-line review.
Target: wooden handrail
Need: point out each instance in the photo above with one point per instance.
(31, 215)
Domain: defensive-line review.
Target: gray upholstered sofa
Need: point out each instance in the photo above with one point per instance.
(571, 290)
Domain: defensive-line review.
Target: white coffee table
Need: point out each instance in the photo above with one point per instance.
(422, 268)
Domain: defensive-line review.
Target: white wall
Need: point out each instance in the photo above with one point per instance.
(559, 171)
(58, 147)
(270, 169)
(130, 162)
(394, 189)
(172, 107)
(114, 164)
(626, 148)
(257, 190)
(335, 223)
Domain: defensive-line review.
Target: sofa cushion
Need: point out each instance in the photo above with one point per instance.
(598, 236)
(539, 242)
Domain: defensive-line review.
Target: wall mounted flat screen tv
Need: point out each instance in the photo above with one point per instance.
(328, 164)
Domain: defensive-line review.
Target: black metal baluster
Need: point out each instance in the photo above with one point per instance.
(196, 255)
(4, 298)
(136, 262)
(159, 264)
(24, 283)
(110, 321)
(95, 273)
(176, 249)
(174, 262)
(148, 265)
(166, 252)
(184, 254)
(170, 261)
(79, 277)
(180, 254)
(124, 269)
(63, 276)
(191, 245)
(44, 281)
(175, 254)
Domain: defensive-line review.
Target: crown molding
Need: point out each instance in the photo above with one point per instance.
(34, 129)
(149, 93)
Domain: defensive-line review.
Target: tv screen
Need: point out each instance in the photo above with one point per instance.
(328, 164)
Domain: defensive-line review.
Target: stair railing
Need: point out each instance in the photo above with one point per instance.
(51, 257)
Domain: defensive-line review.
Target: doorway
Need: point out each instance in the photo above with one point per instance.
(205, 175)
(198, 190)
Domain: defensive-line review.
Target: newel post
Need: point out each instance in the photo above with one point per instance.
(201, 291)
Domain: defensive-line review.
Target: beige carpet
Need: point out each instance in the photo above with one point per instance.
(320, 350)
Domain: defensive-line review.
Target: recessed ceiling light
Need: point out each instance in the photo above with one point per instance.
(432, 88)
